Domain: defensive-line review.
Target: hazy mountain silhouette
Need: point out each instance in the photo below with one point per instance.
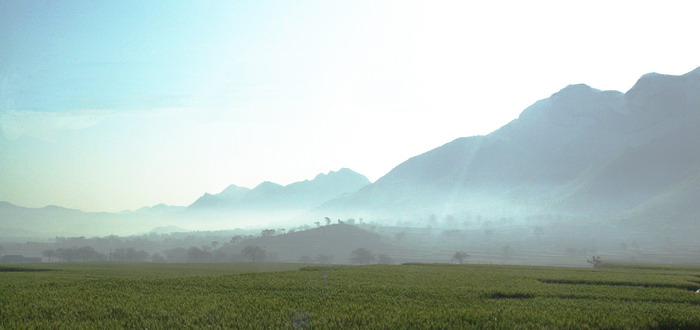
(49, 221)
(229, 197)
(296, 196)
(234, 206)
(581, 151)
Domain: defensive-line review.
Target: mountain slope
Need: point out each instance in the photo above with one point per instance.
(227, 198)
(581, 151)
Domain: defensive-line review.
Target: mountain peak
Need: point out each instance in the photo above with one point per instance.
(574, 88)
(232, 187)
(339, 173)
(266, 185)
(660, 95)
(573, 93)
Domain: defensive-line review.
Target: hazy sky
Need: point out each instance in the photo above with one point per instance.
(112, 105)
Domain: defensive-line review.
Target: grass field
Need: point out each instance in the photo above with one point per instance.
(277, 295)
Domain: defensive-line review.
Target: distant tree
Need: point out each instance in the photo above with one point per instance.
(176, 255)
(538, 231)
(361, 256)
(324, 259)
(362, 221)
(85, 253)
(236, 239)
(450, 221)
(49, 254)
(452, 234)
(214, 244)
(432, 220)
(129, 254)
(195, 254)
(385, 259)
(282, 230)
(595, 261)
(459, 256)
(350, 221)
(156, 257)
(328, 221)
(318, 224)
(267, 233)
(507, 251)
(254, 253)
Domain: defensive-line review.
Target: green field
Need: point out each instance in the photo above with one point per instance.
(276, 295)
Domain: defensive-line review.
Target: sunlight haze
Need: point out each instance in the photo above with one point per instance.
(115, 105)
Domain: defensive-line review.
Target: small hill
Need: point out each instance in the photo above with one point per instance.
(337, 240)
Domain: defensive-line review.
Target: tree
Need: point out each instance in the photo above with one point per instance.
(129, 254)
(385, 259)
(328, 221)
(324, 259)
(318, 224)
(507, 251)
(361, 256)
(254, 253)
(195, 254)
(267, 233)
(459, 256)
(236, 239)
(49, 254)
(156, 257)
(176, 255)
(595, 261)
(538, 231)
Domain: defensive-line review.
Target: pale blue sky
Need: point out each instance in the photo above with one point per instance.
(111, 105)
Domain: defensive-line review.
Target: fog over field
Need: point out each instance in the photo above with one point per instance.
(583, 172)
(346, 132)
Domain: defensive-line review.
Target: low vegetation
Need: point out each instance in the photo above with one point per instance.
(279, 295)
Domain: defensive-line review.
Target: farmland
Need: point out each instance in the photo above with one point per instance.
(279, 295)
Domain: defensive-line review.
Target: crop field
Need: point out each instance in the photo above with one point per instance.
(276, 295)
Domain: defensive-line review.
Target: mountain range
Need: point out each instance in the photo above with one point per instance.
(581, 152)
(234, 206)
(268, 196)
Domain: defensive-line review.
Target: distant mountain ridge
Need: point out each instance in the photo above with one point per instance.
(581, 151)
(266, 202)
(296, 196)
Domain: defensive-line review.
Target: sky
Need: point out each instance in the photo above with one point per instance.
(114, 105)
